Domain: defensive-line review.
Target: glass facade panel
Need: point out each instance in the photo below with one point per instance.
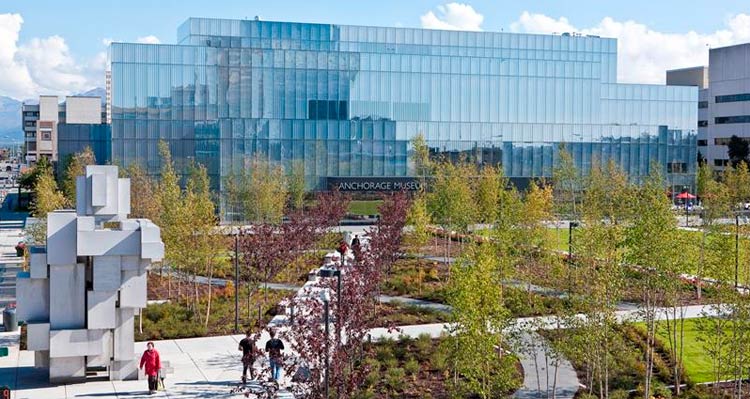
(346, 100)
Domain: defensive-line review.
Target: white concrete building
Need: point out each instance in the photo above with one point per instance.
(83, 289)
(724, 100)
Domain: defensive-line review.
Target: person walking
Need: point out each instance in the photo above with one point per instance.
(342, 250)
(152, 363)
(247, 346)
(274, 347)
(356, 247)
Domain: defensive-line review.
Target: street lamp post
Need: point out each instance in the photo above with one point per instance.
(571, 225)
(236, 281)
(326, 273)
(736, 251)
(326, 297)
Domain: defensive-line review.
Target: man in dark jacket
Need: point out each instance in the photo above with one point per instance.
(247, 346)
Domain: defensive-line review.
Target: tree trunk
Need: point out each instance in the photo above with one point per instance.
(698, 287)
(210, 292)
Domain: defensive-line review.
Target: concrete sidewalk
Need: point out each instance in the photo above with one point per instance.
(203, 368)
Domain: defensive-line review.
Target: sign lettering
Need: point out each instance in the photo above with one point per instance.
(374, 183)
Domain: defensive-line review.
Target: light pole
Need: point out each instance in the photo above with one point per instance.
(736, 251)
(326, 273)
(571, 225)
(236, 281)
(326, 297)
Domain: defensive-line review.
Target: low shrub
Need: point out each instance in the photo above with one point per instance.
(439, 360)
(394, 379)
(412, 368)
(423, 346)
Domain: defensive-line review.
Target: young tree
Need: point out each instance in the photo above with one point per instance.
(173, 221)
(387, 235)
(653, 244)
(296, 185)
(419, 220)
(565, 177)
(267, 248)
(423, 165)
(353, 320)
(27, 180)
(489, 185)
(47, 197)
(477, 342)
(737, 180)
(76, 166)
(144, 191)
(451, 200)
(205, 242)
(259, 191)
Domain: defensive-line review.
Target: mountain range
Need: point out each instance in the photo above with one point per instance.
(10, 116)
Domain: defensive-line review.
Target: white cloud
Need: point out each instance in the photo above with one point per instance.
(16, 81)
(42, 65)
(644, 54)
(453, 16)
(150, 39)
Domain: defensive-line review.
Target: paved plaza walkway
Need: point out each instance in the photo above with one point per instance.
(209, 367)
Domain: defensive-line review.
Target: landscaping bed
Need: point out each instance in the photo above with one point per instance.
(412, 368)
(417, 278)
(399, 314)
(627, 352)
(181, 316)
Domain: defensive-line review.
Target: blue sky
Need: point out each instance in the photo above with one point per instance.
(77, 34)
(84, 25)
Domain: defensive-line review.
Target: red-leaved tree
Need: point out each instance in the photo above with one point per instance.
(266, 248)
(356, 315)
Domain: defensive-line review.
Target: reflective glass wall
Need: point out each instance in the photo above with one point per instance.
(346, 100)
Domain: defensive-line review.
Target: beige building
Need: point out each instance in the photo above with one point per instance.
(41, 121)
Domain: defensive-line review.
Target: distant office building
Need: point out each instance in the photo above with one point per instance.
(54, 130)
(695, 76)
(724, 101)
(346, 101)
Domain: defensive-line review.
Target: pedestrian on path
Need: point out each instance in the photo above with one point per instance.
(274, 347)
(152, 363)
(356, 245)
(247, 346)
(342, 250)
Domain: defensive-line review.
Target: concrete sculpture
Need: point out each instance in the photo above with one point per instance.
(82, 291)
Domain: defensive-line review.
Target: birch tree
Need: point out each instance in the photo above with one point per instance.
(651, 242)
(477, 343)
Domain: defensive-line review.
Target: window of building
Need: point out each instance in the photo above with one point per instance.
(721, 141)
(702, 143)
(324, 109)
(46, 135)
(721, 162)
(702, 123)
(720, 120)
(676, 167)
(731, 98)
(702, 104)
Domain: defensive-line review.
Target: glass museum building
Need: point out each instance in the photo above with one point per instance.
(345, 102)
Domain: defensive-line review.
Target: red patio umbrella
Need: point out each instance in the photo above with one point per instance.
(685, 195)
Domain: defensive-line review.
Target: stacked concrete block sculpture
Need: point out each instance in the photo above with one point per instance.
(82, 291)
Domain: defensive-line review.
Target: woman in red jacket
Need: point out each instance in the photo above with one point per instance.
(151, 360)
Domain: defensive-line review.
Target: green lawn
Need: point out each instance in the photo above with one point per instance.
(560, 238)
(364, 207)
(697, 362)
